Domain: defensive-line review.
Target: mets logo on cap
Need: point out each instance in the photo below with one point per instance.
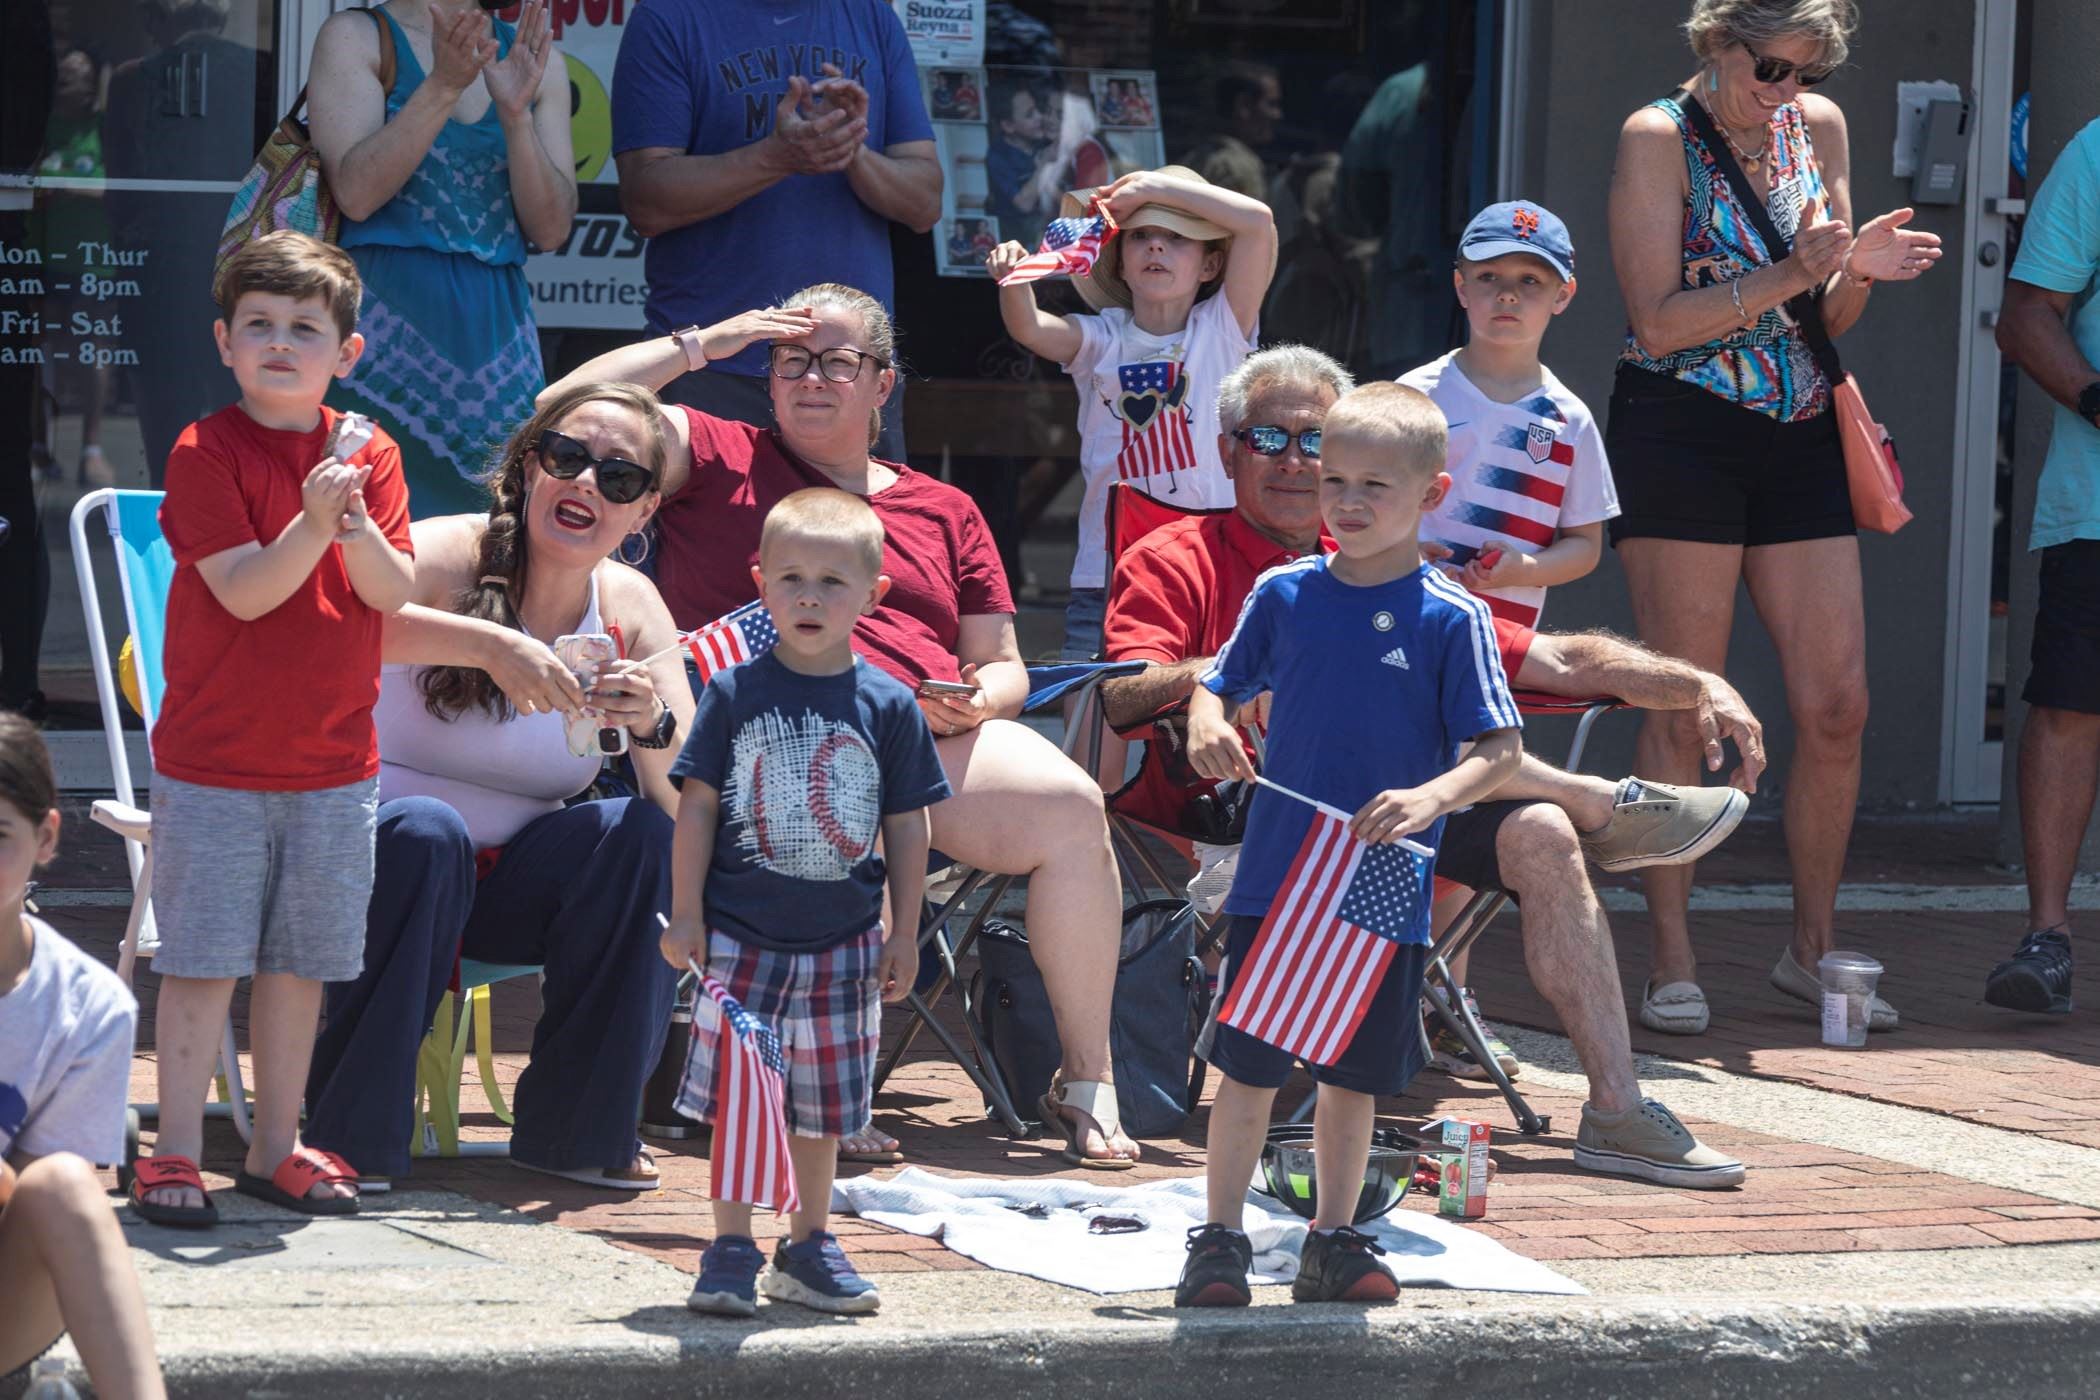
(1524, 220)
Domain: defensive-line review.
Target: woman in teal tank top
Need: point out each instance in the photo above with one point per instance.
(444, 180)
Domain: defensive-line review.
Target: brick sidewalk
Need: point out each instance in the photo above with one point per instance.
(1953, 1054)
(1800, 1198)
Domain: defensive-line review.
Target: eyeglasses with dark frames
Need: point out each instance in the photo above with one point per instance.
(1271, 440)
(840, 365)
(1778, 70)
(620, 481)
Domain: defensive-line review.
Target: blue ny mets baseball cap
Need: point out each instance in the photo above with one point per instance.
(1519, 227)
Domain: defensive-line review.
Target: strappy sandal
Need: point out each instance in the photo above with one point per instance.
(159, 1173)
(1096, 1098)
(298, 1174)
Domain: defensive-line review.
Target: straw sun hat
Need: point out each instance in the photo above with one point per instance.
(1104, 286)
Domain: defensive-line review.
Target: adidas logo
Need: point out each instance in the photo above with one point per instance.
(1396, 657)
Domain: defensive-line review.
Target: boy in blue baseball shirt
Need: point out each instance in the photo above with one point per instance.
(1379, 671)
(796, 758)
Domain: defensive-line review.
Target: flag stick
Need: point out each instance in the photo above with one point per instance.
(1339, 815)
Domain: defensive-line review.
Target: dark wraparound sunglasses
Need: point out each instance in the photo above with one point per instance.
(1269, 440)
(840, 365)
(1778, 70)
(620, 481)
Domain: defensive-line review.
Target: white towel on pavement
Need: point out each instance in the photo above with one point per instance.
(973, 1216)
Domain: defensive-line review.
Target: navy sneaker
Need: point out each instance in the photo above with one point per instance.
(1215, 1273)
(728, 1282)
(816, 1274)
(2037, 977)
(1341, 1266)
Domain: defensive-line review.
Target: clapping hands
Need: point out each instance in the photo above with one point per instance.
(818, 129)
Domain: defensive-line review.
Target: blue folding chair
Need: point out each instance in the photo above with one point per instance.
(1049, 688)
(145, 569)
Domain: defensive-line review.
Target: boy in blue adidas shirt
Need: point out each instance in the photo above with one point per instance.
(1379, 669)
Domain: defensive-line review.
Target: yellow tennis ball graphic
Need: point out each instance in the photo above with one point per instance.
(590, 119)
(128, 677)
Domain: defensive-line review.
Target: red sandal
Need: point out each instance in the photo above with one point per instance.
(298, 1174)
(158, 1173)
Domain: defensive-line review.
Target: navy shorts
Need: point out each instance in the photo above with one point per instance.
(1383, 1055)
(2066, 650)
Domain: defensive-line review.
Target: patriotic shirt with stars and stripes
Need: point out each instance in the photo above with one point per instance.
(1520, 472)
(1148, 414)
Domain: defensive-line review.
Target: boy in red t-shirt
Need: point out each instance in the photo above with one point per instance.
(289, 527)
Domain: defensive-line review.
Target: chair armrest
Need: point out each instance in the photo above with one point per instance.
(131, 823)
(1539, 702)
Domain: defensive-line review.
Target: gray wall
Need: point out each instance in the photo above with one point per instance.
(2065, 55)
(1594, 61)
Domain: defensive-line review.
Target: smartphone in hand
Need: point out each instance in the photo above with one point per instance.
(585, 654)
(961, 690)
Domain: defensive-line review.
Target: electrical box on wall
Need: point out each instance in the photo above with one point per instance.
(1943, 154)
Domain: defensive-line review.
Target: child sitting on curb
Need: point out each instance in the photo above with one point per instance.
(66, 1030)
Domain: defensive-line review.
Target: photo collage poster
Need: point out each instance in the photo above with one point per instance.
(1012, 141)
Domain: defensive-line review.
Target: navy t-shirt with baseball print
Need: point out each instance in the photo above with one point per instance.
(807, 767)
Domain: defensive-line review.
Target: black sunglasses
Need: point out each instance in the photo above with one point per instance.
(1269, 440)
(840, 365)
(1778, 70)
(620, 481)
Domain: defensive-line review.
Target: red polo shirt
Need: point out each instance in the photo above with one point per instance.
(1178, 592)
(1176, 596)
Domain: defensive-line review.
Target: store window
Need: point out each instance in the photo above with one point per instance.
(127, 125)
(1358, 121)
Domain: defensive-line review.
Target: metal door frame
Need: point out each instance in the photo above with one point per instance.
(1970, 765)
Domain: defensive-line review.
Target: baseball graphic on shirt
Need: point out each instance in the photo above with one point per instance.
(805, 795)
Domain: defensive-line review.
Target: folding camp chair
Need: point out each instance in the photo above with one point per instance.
(442, 1061)
(1049, 688)
(145, 568)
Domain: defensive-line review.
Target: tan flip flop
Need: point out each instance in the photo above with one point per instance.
(1097, 1100)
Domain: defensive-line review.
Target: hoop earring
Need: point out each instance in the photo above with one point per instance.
(634, 558)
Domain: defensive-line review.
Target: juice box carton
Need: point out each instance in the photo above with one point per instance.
(1465, 1170)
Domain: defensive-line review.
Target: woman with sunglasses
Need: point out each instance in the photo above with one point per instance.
(482, 850)
(1721, 434)
(1020, 806)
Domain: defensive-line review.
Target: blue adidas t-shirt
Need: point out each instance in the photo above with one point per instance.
(1374, 688)
(705, 77)
(807, 768)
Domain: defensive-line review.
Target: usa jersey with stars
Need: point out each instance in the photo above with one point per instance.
(1372, 688)
(1520, 472)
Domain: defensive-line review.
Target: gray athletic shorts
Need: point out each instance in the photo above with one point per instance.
(247, 882)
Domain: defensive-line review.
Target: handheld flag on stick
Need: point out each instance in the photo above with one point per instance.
(738, 636)
(1318, 960)
(1070, 246)
(750, 1161)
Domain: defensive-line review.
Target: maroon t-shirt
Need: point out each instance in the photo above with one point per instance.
(938, 551)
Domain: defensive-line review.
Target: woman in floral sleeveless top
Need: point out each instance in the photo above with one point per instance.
(1722, 437)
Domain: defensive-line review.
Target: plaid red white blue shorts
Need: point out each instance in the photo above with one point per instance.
(827, 1010)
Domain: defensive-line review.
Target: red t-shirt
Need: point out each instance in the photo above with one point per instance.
(938, 551)
(282, 703)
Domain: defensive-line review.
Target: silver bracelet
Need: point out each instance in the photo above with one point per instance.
(1735, 294)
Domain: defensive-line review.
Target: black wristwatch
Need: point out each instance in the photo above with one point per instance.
(2089, 403)
(659, 737)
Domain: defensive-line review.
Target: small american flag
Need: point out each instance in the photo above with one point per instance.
(1318, 959)
(734, 637)
(750, 1160)
(1070, 246)
(1162, 443)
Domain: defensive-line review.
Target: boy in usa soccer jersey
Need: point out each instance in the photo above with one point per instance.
(1531, 488)
(1379, 670)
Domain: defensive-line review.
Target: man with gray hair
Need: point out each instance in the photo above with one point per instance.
(1176, 596)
